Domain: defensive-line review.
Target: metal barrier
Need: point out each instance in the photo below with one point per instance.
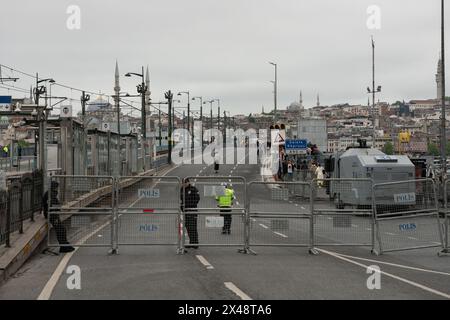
(15, 208)
(27, 196)
(342, 212)
(148, 211)
(446, 217)
(207, 224)
(81, 207)
(4, 218)
(406, 215)
(279, 214)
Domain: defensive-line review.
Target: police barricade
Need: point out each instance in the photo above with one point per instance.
(80, 211)
(148, 211)
(220, 217)
(446, 218)
(406, 215)
(342, 212)
(277, 215)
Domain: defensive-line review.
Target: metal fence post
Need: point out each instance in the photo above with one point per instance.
(247, 221)
(32, 197)
(436, 205)
(181, 233)
(8, 220)
(446, 220)
(312, 250)
(21, 208)
(115, 216)
(374, 208)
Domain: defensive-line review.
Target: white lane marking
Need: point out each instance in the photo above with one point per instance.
(412, 238)
(390, 233)
(396, 265)
(264, 226)
(51, 283)
(412, 283)
(48, 289)
(280, 234)
(204, 262)
(237, 291)
(303, 208)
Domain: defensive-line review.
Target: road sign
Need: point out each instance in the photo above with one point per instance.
(5, 103)
(148, 193)
(214, 222)
(296, 146)
(278, 137)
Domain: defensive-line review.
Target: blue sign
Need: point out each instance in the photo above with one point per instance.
(5, 99)
(296, 144)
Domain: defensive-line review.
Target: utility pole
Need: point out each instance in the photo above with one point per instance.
(275, 93)
(373, 91)
(143, 89)
(443, 129)
(201, 120)
(84, 98)
(159, 127)
(169, 97)
(211, 116)
(224, 127)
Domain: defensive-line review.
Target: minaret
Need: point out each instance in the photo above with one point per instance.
(318, 100)
(439, 79)
(301, 100)
(116, 87)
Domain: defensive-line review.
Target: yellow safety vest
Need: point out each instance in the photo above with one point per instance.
(227, 199)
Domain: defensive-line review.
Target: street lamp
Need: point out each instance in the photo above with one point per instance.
(142, 89)
(188, 115)
(211, 113)
(373, 91)
(218, 113)
(275, 88)
(201, 117)
(41, 117)
(443, 130)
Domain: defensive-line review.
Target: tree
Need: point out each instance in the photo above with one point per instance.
(388, 148)
(447, 147)
(433, 149)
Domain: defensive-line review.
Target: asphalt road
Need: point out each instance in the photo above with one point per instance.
(145, 269)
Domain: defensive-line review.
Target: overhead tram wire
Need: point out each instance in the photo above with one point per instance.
(109, 96)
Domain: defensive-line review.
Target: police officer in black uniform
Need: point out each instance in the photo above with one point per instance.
(189, 199)
(60, 229)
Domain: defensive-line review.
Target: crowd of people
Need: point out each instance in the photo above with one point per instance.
(298, 169)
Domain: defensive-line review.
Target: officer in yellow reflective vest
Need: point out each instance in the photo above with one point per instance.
(225, 202)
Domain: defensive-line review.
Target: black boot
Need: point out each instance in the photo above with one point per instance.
(66, 249)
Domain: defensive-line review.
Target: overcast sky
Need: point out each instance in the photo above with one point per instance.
(221, 49)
